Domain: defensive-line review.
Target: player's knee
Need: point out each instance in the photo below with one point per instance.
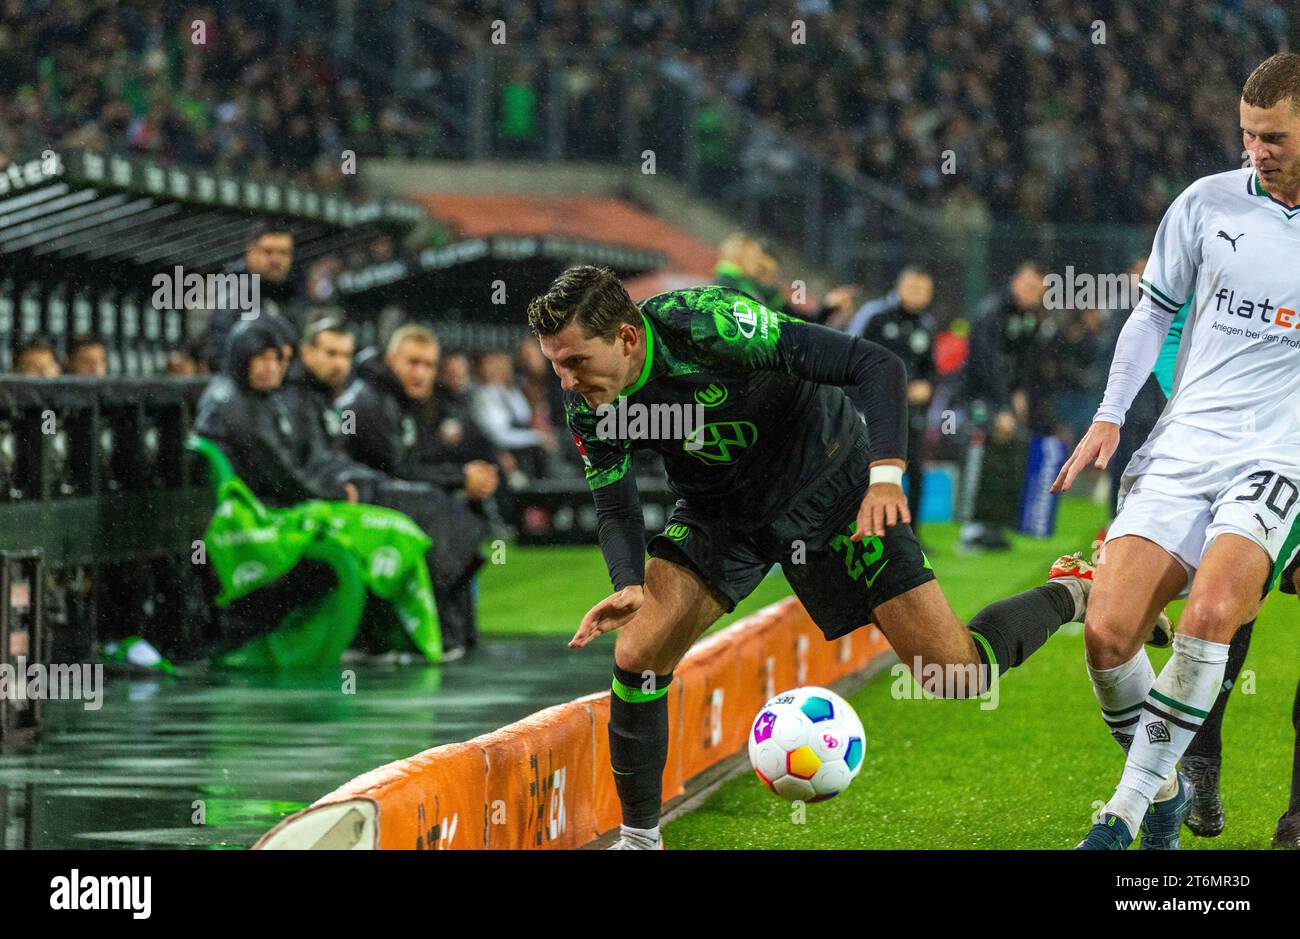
(1110, 640)
(956, 678)
(641, 649)
(1209, 618)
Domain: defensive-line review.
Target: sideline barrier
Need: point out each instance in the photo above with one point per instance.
(544, 781)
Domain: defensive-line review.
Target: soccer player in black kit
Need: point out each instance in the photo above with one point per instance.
(785, 469)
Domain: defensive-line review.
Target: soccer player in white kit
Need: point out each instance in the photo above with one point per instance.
(1210, 504)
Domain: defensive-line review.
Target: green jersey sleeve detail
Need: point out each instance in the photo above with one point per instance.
(718, 328)
(598, 478)
(1168, 358)
(605, 462)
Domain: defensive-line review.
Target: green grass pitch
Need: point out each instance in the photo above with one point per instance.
(946, 774)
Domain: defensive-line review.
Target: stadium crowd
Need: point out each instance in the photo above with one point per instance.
(132, 77)
(1082, 131)
(1044, 120)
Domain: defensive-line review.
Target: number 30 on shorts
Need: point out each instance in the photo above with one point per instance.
(1282, 493)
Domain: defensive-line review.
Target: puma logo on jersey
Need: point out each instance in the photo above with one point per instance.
(1232, 241)
(1266, 528)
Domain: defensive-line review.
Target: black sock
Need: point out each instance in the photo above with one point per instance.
(1011, 630)
(1208, 742)
(638, 744)
(1295, 765)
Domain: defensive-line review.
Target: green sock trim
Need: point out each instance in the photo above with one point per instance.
(1178, 705)
(634, 695)
(990, 659)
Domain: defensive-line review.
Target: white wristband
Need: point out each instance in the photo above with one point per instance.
(887, 474)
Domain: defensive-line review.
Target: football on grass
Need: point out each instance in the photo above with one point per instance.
(807, 744)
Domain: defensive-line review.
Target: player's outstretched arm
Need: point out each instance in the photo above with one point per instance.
(609, 614)
(1097, 447)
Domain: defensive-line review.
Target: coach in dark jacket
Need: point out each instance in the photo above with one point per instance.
(384, 411)
(255, 429)
(398, 434)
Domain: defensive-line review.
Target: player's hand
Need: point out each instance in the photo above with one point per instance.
(1097, 447)
(841, 297)
(883, 506)
(609, 614)
(351, 490)
(481, 480)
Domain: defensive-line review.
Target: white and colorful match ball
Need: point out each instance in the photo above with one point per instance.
(807, 744)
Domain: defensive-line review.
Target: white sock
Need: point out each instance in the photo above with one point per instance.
(647, 835)
(1074, 587)
(1121, 692)
(1176, 706)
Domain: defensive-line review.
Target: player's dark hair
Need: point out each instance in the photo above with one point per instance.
(82, 342)
(263, 227)
(37, 344)
(1275, 79)
(590, 296)
(329, 323)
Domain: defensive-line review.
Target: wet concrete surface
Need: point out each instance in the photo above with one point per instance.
(239, 752)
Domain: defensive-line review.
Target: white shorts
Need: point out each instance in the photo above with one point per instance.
(1184, 510)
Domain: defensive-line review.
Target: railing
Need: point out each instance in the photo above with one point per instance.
(92, 473)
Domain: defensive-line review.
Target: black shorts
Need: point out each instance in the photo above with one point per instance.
(839, 581)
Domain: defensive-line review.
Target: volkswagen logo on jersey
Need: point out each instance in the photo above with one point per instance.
(717, 443)
(712, 396)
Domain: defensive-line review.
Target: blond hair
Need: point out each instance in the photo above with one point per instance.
(411, 332)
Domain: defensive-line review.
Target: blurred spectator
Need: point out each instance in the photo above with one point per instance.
(517, 120)
(255, 428)
(901, 321)
(268, 255)
(1081, 354)
(502, 410)
(540, 385)
(318, 376)
(398, 431)
(87, 356)
(1010, 377)
(455, 383)
(36, 359)
(748, 264)
(180, 362)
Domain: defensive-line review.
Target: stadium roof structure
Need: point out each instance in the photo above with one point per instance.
(560, 251)
(604, 219)
(78, 207)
